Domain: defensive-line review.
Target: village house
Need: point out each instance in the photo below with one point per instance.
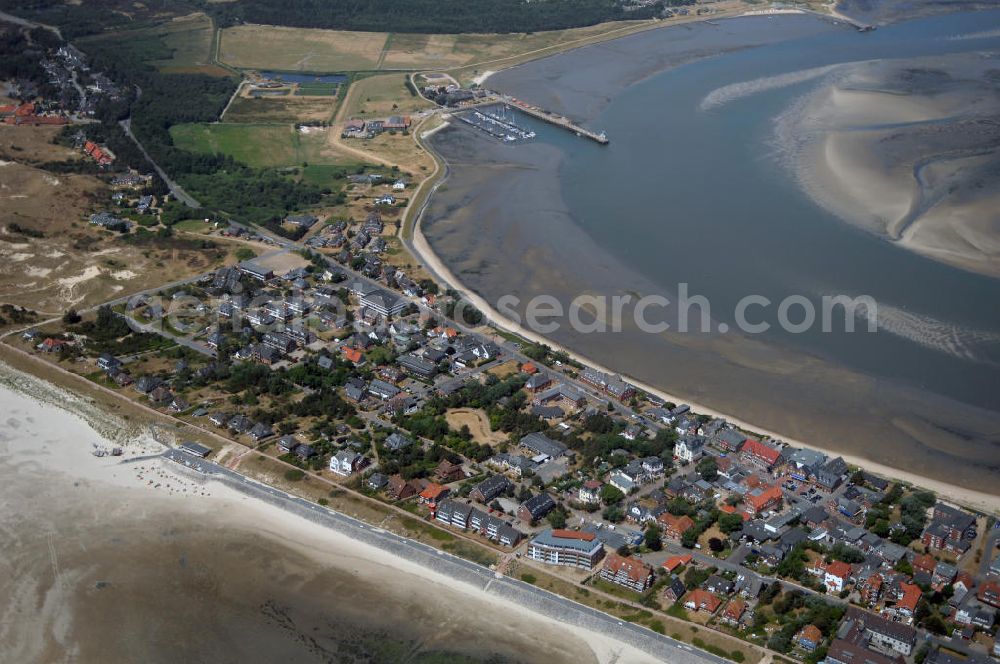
(621, 481)
(536, 507)
(489, 489)
(433, 493)
(702, 600)
(733, 612)
(287, 444)
(400, 489)
(447, 471)
(589, 492)
(260, 432)
(630, 573)
(759, 454)
(674, 590)
(346, 462)
(689, 448)
(809, 637)
(376, 481)
(674, 527)
(719, 585)
(396, 441)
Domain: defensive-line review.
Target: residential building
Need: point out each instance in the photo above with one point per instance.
(759, 454)
(346, 462)
(536, 507)
(884, 635)
(673, 526)
(631, 573)
(383, 302)
(433, 493)
(763, 499)
(702, 600)
(689, 448)
(590, 492)
(489, 489)
(566, 547)
(540, 444)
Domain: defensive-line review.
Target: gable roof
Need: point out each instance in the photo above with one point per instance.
(672, 563)
(760, 450)
(635, 569)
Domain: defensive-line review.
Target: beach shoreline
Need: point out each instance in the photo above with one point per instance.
(423, 252)
(149, 482)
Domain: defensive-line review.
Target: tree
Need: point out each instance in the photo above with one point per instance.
(613, 513)
(557, 518)
(730, 523)
(715, 544)
(611, 495)
(652, 538)
(690, 538)
(71, 317)
(708, 468)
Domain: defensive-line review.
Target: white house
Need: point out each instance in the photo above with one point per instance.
(622, 482)
(689, 448)
(590, 493)
(346, 462)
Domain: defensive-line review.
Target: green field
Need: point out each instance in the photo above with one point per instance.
(300, 49)
(261, 145)
(280, 110)
(181, 45)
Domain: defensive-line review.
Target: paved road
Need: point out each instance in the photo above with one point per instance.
(989, 552)
(17, 20)
(175, 188)
(540, 601)
(153, 328)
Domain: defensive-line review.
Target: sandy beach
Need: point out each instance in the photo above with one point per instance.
(904, 150)
(959, 494)
(95, 548)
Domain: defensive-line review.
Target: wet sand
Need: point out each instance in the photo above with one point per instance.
(908, 150)
(500, 226)
(101, 561)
